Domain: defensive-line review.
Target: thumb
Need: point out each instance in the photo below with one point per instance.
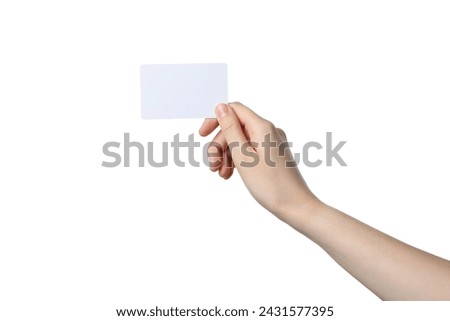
(231, 128)
(230, 125)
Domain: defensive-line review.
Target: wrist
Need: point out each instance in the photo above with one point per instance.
(299, 214)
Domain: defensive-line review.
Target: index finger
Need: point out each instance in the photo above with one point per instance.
(208, 126)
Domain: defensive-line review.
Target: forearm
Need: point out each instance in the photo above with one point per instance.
(391, 269)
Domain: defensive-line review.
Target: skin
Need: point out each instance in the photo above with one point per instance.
(388, 267)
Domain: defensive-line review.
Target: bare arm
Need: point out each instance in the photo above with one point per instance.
(388, 267)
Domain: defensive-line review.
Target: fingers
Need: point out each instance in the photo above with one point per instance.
(237, 123)
(208, 126)
(227, 167)
(244, 113)
(216, 151)
(219, 156)
(282, 134)
(230, 125)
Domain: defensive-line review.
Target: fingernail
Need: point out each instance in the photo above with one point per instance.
(221, 110)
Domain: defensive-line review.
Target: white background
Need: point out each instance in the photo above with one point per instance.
(78, 240)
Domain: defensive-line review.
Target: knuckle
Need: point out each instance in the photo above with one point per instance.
(281, 133)
(266, 127)
(229, 128)
(272, 127)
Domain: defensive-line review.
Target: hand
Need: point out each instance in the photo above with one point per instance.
(260, 153)
(386, 266)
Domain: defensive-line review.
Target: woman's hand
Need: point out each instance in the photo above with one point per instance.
(260, 153)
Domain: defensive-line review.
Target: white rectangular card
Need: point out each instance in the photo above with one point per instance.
(170, 91)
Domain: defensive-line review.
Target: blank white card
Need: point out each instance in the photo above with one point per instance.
(170, 91)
